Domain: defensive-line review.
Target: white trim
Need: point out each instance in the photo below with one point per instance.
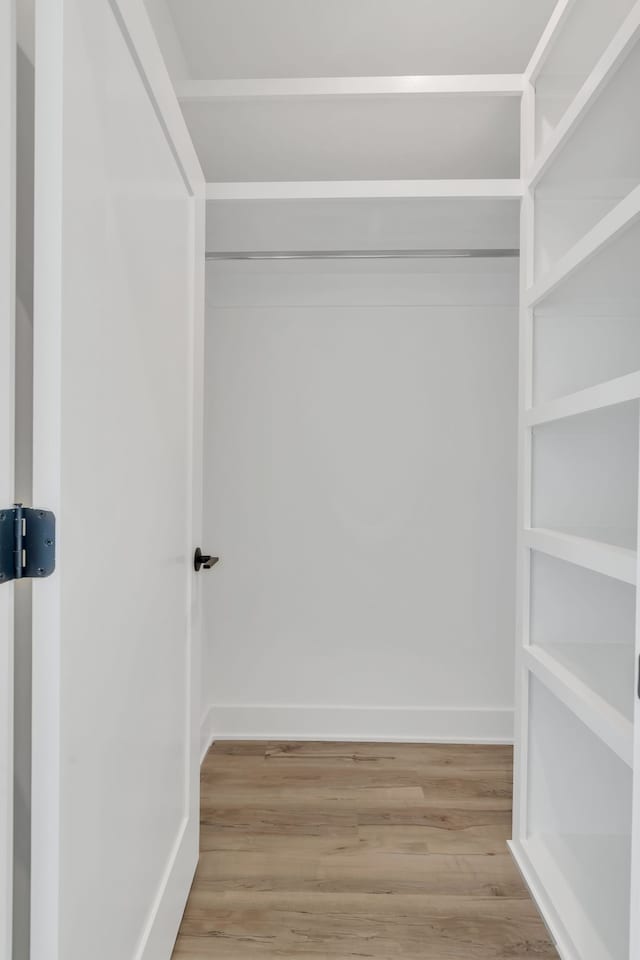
(523, 555)
(7, 434)
(168, 907)
(599, 716)
(613, 225)
(601, 75)
(207, 735)
(607, 394)
(410, 724)
(363, 189)
(500, 85)
(544, 903)
(550, 34)
(634, 887)
(143, 45)
(46, 760)
(164, 917)
(167, 910)
(612, 561)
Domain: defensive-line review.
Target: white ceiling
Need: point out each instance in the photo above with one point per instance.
(317, 38)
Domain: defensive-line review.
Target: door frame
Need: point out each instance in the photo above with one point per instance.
(166, 911)
(7, 445)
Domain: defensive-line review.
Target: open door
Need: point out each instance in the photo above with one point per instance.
(119, 287)
(7, 328)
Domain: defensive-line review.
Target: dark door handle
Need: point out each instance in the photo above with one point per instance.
(203, 560)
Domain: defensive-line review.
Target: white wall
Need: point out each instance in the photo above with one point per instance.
(360, 489)
(401, 223)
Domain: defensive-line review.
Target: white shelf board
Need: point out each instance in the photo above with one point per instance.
(606, 68)
(365, 189)
(612, 561)
(607, 666)
(613, 225)
(550, 861)
(608, 669)
(466, 84)
(620, 390)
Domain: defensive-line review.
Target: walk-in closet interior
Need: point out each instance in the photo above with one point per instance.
(362, 432)
(421, 389)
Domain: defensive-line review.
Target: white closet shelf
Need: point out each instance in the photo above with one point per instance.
(579, 692)
(612, 561)
(365, 189)
(452, 85)
(625, 39)
(613, 225)
(607, 394)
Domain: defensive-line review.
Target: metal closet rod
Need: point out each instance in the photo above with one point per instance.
(470, 254)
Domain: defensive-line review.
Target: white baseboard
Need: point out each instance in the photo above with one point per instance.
(163, 923)
(405, 725)
(206, 733)
(547, 907)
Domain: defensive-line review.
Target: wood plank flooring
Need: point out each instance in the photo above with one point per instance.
(334, 851)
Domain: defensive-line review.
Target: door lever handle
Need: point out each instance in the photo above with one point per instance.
(203, 560)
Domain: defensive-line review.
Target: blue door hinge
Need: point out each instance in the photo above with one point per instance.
(27, 543)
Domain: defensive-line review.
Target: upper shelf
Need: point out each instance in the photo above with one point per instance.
(502, 84)
(569, 70)
(424, 136)
(365, 190)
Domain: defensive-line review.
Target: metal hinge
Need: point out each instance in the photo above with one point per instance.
(27, 543)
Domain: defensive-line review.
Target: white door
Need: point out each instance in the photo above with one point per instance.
(7, 320)
(119, 251)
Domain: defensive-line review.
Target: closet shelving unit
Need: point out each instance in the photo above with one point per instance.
(475, 202)
(577, 806)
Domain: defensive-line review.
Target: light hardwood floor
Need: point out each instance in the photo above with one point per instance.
(336, 851)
